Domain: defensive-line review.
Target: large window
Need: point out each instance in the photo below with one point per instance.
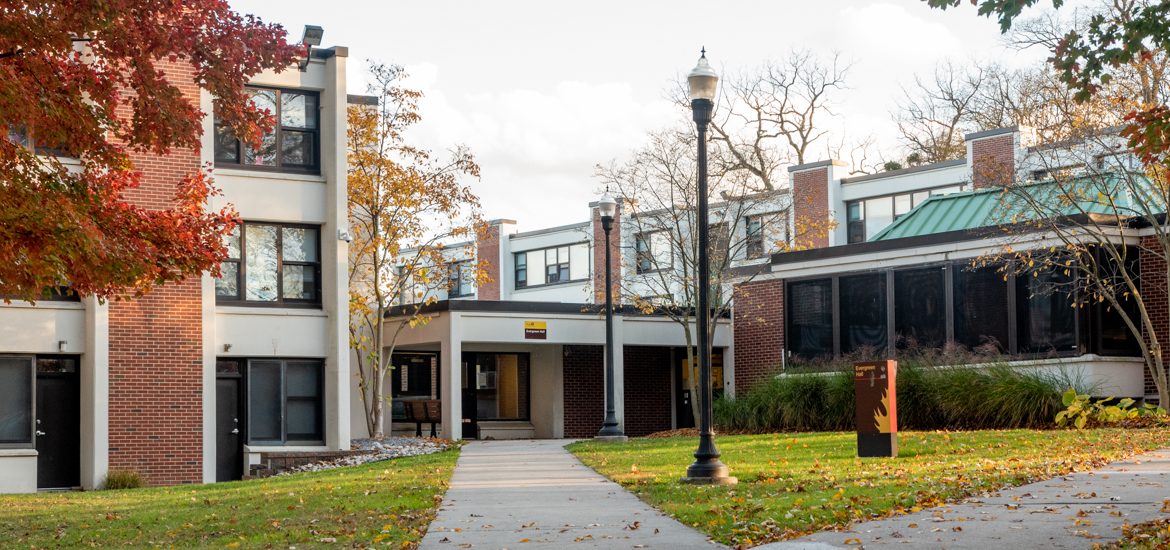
(501, 386)
(863, 313)
(271, 264)
(285, 402)
(988, 311)
(1046, 318)
(460, 279)
(763, 231)
(981, 308)
(653, 251)
(810, 318)
(920, 308)
(558, 264)
(866, 217)
(290, 146)
(16, 401)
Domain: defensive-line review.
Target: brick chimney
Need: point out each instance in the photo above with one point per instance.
(993, 155)
(815, 192)
(489, 252)
(615, 251)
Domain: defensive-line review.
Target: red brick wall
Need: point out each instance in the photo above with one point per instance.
(758, 329)
(488, 254)
(615, 239)
(156, 357)
(1154, 296)
(647, 389)
(584, 390)
(810, 203)
(993, 161)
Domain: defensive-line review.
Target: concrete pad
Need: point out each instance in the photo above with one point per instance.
(534, 494)
(1073, 511)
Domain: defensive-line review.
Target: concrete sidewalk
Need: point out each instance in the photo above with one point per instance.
(1072, 511)
(534, 494)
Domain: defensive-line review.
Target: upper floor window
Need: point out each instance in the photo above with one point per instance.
(762, 233)
(271, 264)
(291, 145)
(557, 264)
(653, 251)
(866, 217)
(21, 136)
(460, 279)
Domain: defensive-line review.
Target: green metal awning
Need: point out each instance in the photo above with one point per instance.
(991, 207)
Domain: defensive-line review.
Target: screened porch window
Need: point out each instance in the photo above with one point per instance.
(16, 401)
(810, 318)
(920, 308)
(863, 313)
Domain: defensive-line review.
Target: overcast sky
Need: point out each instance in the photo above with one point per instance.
(543, 91)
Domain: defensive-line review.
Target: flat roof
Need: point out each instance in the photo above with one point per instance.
(517, 306)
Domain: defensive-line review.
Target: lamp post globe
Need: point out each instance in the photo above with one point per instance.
(610, 429)
(707, 469)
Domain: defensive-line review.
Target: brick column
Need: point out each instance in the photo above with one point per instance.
(489, 254)
(584, 390)
(615, 251)
(992, 156)
(814, 189)
(156, 344)
(758, 329)
(1154, 296)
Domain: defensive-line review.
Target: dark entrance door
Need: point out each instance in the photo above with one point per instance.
(229, 459)
(58, 423)
(469, 396)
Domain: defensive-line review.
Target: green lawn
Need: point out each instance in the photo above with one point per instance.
(381, 504)
(793, 484)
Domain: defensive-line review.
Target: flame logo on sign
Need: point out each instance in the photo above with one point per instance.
(881, 415)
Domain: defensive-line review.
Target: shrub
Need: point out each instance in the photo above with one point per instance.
(123, 479)
(929, 397)
(1080, 410)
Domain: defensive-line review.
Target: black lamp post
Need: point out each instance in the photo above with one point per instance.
(610, 430)
(707, 468)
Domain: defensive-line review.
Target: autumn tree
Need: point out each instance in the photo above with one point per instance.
(1103, 220)
(777, 114)
(86, 86)
(657, 188)
(405, 204)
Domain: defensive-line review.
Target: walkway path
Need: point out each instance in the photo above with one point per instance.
(534, 494)
(1072, 511)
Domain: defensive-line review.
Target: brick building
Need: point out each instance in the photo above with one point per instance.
(195, 380)
(897, 271)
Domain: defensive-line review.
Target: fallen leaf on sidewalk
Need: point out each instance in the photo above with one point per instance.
(1166, 506)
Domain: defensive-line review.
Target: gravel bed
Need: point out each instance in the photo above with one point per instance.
(376, 450)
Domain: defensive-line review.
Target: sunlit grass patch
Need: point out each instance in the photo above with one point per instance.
(389, 502)
(793, 484)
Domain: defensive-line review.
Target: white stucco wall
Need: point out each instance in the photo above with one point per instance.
(18, 471)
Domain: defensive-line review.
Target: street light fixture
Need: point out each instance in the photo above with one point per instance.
(707, 469)
(610, 430)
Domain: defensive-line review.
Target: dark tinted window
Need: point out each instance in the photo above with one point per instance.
(920, 312)
(1047, 320)
(863, 313)
(16, 375)
(810, 318)
(981, 308)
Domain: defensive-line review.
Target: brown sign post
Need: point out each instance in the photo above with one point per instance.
(877, 410)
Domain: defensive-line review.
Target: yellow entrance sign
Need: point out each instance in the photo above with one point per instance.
(535, 330)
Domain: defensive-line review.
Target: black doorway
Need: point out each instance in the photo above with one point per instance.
(58, 423)
(468, 396)
(229, 459)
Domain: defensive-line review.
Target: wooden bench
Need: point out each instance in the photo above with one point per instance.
(423, 411)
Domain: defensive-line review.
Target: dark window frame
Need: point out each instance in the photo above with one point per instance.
(525, 282)
(320, 399)
(648, 254)
(30, 443)
(455, 280)
(278, 130)
(754, 244)
(526, 357)
(241, 262)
